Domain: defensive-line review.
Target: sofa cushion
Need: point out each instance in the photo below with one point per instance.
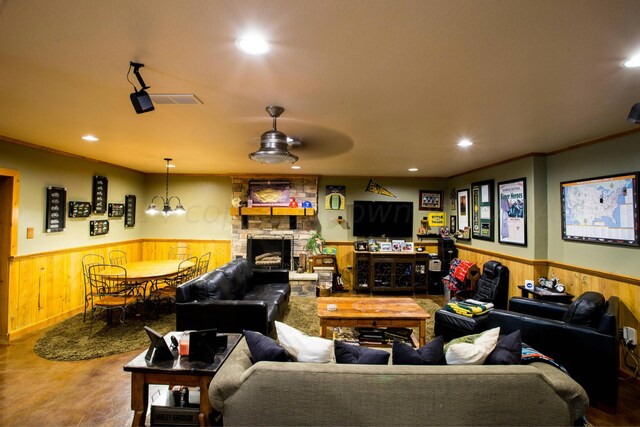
(508, 351)
(586, 310)
(471, 349)
(348, 353)
(304, 348)
(263, 348)
(213, 285)
(431, 353)
(235, 272)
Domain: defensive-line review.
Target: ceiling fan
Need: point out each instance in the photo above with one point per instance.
(274, 145)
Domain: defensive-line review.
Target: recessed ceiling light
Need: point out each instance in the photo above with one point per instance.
(465, 143)
(632, 62)
(413, 169)
(171, 166)
(295, 167)
(90, 138)
(252, 44)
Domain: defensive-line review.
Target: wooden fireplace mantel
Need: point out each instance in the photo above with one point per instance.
(273, 211)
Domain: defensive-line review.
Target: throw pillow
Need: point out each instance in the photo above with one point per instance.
(348, 353)
(431, 353)
(263, 348)
(471, 349)
(508, 351)
(304, 348)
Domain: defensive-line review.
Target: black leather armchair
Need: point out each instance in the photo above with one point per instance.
(491, 287)
(582, 336)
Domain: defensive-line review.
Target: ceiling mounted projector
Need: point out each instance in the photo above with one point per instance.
(273, 143)
(140, 98)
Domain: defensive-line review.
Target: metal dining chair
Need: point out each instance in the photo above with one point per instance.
(112, 292)
(186, 271)
(180, 252)
(87, 261)
(118, 257)
(203, 264)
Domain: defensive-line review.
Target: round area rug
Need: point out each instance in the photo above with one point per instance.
(69, 340)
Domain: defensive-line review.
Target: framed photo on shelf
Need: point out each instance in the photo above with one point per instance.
(482, 210)
(513, 212)
(430, 200)
(407, 247)
(385, 247)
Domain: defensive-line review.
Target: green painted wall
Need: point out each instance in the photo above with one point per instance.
(406, 189)
(208, 199)
(40, 169)
(608, 158)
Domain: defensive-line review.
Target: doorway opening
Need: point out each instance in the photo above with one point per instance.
(9, 189)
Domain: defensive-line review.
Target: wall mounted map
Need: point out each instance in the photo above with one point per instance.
(601, 210)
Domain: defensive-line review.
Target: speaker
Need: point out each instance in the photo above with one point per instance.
(634, 114)
(141, 102)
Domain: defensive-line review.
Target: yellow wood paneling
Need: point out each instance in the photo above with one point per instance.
(47, 287)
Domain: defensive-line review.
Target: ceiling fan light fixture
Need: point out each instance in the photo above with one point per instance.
(273, 143)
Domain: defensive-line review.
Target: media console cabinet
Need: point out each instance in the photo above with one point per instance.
(391, 271)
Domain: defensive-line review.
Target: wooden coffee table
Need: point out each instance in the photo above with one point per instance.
(372, 313)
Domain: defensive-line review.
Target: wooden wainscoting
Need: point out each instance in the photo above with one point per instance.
(576, 279)
(48, 287)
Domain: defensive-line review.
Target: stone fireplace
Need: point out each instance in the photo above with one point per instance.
(250, 242)
(270, 253)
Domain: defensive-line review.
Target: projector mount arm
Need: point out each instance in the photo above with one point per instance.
(136, 70)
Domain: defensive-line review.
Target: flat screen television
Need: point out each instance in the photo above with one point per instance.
(377, 219)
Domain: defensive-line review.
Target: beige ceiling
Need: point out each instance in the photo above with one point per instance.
(371, 87)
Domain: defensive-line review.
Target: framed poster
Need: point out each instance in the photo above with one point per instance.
(513, 212)
(601, 210)
(56, 204)
(129, 210)
(100, 187)
(430, 200)
(453, 224)
(463, 213)
(482, 210)
(335, 197)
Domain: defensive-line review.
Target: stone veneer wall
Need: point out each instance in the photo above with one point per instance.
(302, 188)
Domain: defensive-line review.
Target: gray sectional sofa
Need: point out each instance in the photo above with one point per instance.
(293, 393)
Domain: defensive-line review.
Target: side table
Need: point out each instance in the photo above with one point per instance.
(546, 295)
(180, 371)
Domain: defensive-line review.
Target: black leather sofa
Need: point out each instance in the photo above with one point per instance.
(233, 297)
(581, 336)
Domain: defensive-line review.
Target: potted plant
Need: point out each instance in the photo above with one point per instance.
(315, 242)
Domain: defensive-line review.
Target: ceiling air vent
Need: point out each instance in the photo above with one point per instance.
(175, 98)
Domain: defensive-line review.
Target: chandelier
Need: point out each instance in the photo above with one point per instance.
(166, 208)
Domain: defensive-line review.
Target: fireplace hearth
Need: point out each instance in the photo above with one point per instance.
(270, 253)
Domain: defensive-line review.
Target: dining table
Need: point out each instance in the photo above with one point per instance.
(142, 273)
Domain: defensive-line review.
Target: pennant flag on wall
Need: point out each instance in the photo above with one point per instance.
(374, 187)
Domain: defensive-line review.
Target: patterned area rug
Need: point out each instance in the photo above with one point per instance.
(69, 340)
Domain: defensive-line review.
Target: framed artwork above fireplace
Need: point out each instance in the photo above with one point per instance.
(269, 193)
